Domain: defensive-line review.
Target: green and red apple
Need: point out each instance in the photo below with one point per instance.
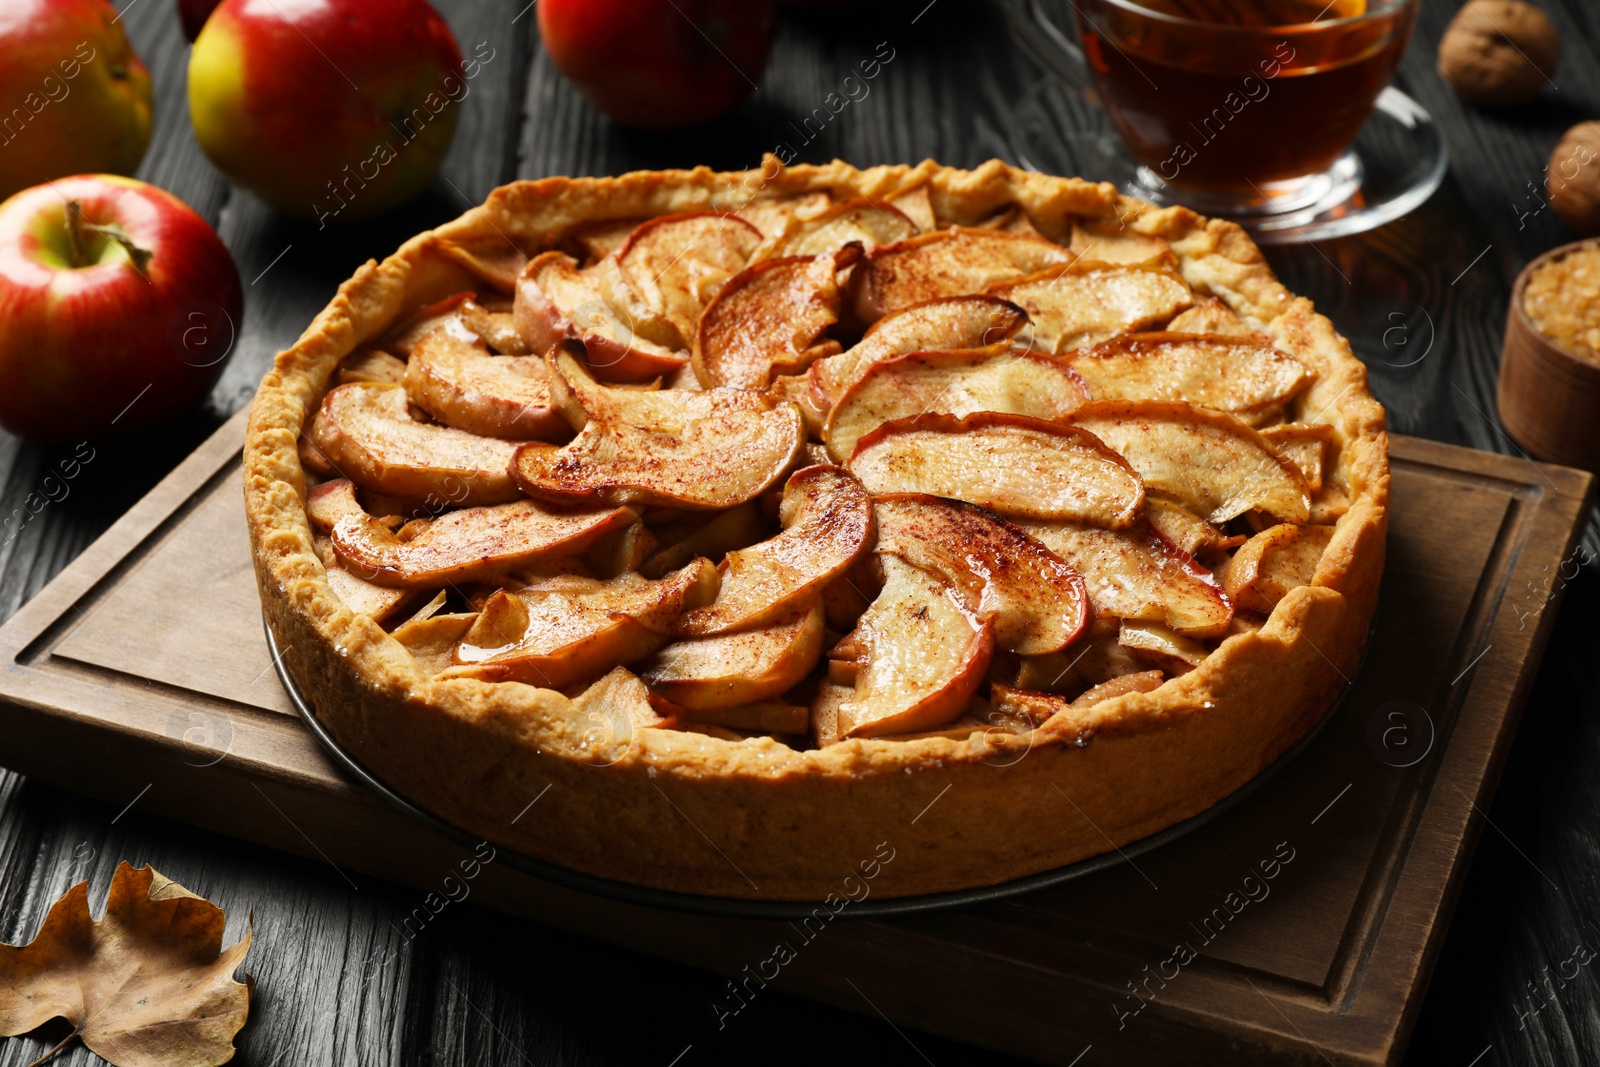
(333, 110)
(120, 306)
(73, 95)
(660, 64)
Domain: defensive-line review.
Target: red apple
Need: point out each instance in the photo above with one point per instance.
(192, 15)
(660, 64)
(118, 314)
(73, 95)
(333, 110)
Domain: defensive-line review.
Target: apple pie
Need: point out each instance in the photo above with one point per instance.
(751, 521)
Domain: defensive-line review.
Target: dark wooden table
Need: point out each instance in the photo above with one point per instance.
(1422, 300)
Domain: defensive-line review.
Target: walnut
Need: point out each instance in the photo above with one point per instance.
(1498, 52)
(1573, 179)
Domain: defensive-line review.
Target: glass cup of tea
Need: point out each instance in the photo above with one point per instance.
(1242, 107)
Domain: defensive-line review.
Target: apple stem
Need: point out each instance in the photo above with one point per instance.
(78, 226)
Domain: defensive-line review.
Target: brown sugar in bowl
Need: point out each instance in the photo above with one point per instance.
(1549, 394)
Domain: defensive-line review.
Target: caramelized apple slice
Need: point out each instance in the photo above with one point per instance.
(1183, 529)
(469, 544)
(452, 377)
(371, 365)
(1250, 381)
(432, 641)
(738, 527)
(496, 261)
(678, 262)
(859, 221)
(1038, 602)
(498, 329)
(769, 319)
(596, 242)
(1084, 303)
(1141, 682)
(421, 323)
(556, 301)
(1218, 467)
(608, 713)
(558, 631)
(950, 322)
(1271, 563)
(1110, 243)
(330, 502)
(827, 520)
(1171, 652)
(952, 262)
(1305, 444)
(670, 448)
(1011, 220)
(380, 604)
(774, 215)
(368, 435)
(1010, 464)
(824, 712)
(1134, 574)
(920, 656)
(915, 204)
(1214, 317)
(960, 382)
(725, 671)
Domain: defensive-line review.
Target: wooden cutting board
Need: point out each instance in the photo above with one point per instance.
(1298, 927)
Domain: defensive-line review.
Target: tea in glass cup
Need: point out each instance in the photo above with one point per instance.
(1236, 106)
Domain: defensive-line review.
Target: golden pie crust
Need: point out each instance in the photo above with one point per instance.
(757, 818)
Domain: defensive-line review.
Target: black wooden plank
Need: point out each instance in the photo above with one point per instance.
(340, 982)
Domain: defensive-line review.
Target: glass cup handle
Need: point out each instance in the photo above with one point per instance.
(1048, 44)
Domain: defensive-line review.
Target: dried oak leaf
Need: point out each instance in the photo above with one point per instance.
(148, 985)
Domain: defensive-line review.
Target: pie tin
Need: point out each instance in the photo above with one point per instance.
(791, 910)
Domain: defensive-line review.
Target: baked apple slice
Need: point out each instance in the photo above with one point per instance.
(1274, 561)
(773, 215)
(1038, 603)
(1250, 381)
(1170, 651)
(1135, 574)
(827, 519)
(452, 377)
(1010, 464)
(561, 630)
(596, 242)
(1083, 303)
(367, 434)
(1305, 444)
(958, 382)
(952, 262)
(470, 543)
(919, 656)
(371, 365)
(1105, 242)
(497, 328)
(726, 531)
(670, 448)
(421, 323)
(1183, 529)
(379, 603)
(555, 301)
(729, 670)
(769, 319)
(946, 323)
(678, 262)
(867, 223)
(1218, 467)
(1214, 317)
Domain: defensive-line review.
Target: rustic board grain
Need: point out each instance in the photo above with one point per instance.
(472, 989)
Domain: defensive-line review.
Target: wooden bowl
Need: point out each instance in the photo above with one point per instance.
(1549, 399)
